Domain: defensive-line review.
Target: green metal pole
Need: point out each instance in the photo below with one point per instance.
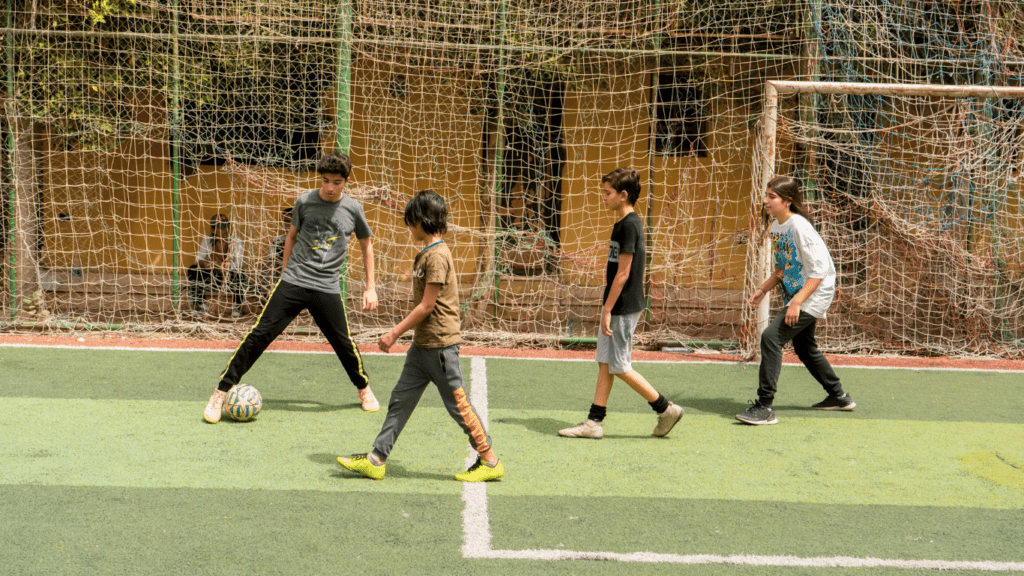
(343, 105)
(499, 143)
(652, 143)
(175, 165)
(343, 110)
(809, 112)
(12, 221)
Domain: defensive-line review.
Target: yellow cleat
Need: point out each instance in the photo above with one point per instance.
(481, 472)
(361, 463)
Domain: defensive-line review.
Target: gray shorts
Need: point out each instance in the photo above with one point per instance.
(617, 349)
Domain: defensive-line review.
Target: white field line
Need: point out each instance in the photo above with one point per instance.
(476, 528)
(476, 524)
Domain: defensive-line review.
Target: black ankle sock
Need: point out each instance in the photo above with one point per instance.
(661, 404)
(597, 413)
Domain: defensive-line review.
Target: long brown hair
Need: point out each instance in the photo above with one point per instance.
(789, 190)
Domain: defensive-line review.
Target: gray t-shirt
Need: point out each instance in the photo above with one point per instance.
(322, 241)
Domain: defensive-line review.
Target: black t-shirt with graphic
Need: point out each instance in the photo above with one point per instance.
(627, 238)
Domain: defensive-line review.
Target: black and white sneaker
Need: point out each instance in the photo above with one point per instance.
(843, 402)
(758, 415)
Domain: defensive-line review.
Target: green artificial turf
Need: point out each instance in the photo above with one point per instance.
(103, 450)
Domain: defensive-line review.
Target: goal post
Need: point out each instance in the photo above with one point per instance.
(928, 153)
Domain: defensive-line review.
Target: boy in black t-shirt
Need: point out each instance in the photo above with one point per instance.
(623, 304)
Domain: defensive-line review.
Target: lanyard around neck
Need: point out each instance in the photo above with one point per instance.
(431, 246)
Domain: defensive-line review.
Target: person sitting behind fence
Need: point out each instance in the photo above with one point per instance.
(218, 267)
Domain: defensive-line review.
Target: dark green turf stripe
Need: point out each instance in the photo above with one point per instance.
(760, 528)
(91, 531)
(113, 531)
(156, 375)
(723, 389)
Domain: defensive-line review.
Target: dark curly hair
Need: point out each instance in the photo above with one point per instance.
(427, 208)
(334, 162)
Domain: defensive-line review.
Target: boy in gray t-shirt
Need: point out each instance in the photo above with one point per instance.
(314, 251)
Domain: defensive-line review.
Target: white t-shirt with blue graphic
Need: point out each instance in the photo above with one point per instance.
(800, 253)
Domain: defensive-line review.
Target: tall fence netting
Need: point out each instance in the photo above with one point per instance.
(127, 125)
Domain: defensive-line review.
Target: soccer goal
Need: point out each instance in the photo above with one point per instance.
(916, 191)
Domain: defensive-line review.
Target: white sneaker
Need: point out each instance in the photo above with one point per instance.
(214, 407)
(668, 419)
(585, 429)
(369, 401)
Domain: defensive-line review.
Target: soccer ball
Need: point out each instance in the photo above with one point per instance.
(243, 403)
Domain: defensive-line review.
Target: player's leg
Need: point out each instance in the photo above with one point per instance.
(774, 337)
(593, 426)
(620, 365)
(405, 396)
(806, 347)
(445, 371)
(286, 301)
(330, 314)
(669, 413)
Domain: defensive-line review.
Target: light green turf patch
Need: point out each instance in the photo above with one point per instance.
(159, 444)
(1002, 470)
(838, 460)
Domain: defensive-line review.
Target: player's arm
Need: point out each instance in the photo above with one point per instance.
(774, 280)
(618, 283)
(289, 242)
(370, 295)
(793, 311)
(421, 311)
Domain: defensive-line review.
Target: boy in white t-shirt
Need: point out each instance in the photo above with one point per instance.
(804, 269)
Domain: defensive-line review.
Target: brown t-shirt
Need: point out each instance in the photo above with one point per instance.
(440, 329)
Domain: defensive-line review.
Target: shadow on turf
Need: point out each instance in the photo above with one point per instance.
(308, 406)
(394, 470)
(728, 407)
(550, 426)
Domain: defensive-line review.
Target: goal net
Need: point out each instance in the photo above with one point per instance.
(915, 190)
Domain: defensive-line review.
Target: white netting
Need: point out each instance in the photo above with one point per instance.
(921, 208)
(127, 125)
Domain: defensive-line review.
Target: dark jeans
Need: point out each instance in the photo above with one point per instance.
(286, 302)
(203, 281)
(774, 337)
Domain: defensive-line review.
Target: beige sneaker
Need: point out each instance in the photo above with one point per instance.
(585, 429)
(369, 401)
(668, 419)
(214, 407)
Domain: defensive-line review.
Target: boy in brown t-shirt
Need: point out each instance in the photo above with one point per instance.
(434, 354)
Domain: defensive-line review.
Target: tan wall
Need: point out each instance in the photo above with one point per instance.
(429, 137)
